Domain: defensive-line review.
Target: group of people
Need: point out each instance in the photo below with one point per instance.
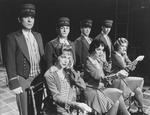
(93, 68)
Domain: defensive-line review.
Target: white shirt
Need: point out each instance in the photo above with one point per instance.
(33, 53)
(63, 41)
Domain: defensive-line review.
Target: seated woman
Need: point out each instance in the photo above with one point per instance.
(62, 81)
(120, 61)
(97, 96)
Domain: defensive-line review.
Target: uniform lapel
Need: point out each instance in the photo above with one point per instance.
(22, 44)
(39, 42)
(104, 40)
(85, 42)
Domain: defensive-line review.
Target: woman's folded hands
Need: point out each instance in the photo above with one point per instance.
(122, 74)
(84, 108)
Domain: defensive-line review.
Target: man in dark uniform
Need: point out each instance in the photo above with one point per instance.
(82, 44)
(106, 28)
(63, 30)
(24, 56)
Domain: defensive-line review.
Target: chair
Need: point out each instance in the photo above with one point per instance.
(36, 94)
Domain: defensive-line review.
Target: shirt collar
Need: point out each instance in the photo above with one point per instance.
(103, 33)
(92, 60)
(85, 36)
(25, 32)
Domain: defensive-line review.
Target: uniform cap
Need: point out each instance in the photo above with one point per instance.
(86, 23)
(27, 10)
(107, 23)
(63, 21)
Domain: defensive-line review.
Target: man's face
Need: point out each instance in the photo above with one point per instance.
(86, 31)
(106, 30)
(64, 31)
(27, 22)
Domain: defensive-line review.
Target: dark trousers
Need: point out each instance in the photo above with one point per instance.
(22, 99)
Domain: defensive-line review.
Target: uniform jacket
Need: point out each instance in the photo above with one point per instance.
(81, 51)
(108, 52)
(17, 56)
(49, 51)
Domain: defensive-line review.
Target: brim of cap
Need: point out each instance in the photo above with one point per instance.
(86, 25)
(64, 24)
(107, 26)
(28, 14)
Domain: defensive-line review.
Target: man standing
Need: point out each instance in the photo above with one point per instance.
(63, 30)
(106, 28)
(24, 54)
(82, 44)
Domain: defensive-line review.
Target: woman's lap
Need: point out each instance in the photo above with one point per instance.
(134, 82)
(128, 84)
(113, 93)
(95, 98)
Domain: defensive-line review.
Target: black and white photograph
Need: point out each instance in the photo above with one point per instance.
(74, 57)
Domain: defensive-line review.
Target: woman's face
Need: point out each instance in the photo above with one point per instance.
(99, 51)
(63, 60)
(64, 31)
(123, 48)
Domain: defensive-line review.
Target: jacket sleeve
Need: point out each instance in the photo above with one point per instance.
(74, 55)
(10, 57)
(42, 60)
(130, 65)
(49, 54)
(78, 53)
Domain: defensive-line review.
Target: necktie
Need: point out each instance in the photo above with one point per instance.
(88, 40)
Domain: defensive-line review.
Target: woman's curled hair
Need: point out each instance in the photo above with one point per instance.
(60, 48)
(95, 44)
(119, 42)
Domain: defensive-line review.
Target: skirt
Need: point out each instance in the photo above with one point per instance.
(101, 100)
(128, 85)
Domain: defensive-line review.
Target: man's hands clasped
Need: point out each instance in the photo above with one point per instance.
(18, 90)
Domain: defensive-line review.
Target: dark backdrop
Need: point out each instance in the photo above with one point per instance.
(48, 11)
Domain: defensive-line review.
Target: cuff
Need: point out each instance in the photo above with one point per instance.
(13, 84)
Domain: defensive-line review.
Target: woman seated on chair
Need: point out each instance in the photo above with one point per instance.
(120, 61)
(63, 81)
(97, 96)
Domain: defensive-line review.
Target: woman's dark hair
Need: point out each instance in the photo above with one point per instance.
(119, 42)
(95, 44)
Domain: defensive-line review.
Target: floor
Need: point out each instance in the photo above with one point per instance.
(8, 104)
(7, 98)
